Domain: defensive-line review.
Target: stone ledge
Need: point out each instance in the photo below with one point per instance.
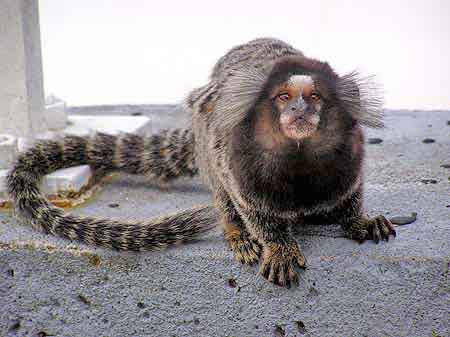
(82, 125)
(8, 150)
(56, 115)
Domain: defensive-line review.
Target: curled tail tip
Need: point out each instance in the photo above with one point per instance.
(170, 153)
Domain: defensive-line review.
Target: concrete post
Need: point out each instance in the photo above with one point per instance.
(22, 111)
(23, 115)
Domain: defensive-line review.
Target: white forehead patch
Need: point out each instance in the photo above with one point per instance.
(301, 80)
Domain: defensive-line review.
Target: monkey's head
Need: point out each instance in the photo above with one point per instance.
(293, 102)
(298, 98)
(303, 98)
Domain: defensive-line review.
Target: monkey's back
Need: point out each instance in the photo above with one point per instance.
(256, 53)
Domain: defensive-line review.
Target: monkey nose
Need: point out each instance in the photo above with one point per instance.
(291, 115)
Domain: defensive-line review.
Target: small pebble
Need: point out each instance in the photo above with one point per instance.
(136, 114)
(374, 140)
(404, 220)
(279, 331)
(446, 166)
(428, 140)
(84, 299)
(429, 181)
(301, 327)
(232, 283)
(448, 122)
(14, 326)
(113, 205)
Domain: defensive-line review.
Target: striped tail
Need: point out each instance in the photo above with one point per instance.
(167, 155)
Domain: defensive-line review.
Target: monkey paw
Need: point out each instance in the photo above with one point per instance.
(376, 229)
(279, 263)
(246, 250)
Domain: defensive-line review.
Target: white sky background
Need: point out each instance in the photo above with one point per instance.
(146, 51)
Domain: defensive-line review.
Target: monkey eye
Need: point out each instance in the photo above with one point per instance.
(284, 96)
(315, 96)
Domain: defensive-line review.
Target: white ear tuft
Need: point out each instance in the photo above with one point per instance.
(238, 95)
(362, 97)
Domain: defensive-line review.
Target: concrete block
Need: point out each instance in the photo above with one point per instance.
(71, 179)
(56, 115)
(75, 178)
(112, 124)
(8, 150)
(63, 181)
(3, 173)
(52, 99)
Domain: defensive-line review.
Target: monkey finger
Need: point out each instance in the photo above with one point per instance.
(390, 226)
(239, 258)
(265, 269)
(292, 275)
(301, 261)
(361, 236)
(249, 256)
(246, 251)
(384, 231)
(283, 279)
(376, 235)
(273, 274)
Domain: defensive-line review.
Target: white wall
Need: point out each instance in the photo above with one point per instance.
(148, 51)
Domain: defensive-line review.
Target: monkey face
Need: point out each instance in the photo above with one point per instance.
(303, 101)
(297, 102)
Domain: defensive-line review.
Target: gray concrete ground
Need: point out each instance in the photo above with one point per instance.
(51, 287)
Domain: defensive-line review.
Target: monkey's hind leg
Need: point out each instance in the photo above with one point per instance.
(245, 248)
(281, 252)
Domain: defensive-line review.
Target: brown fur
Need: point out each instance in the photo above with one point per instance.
(263, 182)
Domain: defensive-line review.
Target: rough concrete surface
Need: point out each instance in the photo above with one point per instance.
(52, 287)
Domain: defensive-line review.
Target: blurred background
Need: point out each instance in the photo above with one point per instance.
(145, 51)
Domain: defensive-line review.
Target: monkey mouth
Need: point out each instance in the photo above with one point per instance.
(299, 128)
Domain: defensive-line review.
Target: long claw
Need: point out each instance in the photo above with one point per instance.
(376, 229)
(279, 262)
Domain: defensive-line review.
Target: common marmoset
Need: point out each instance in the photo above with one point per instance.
(276, 135)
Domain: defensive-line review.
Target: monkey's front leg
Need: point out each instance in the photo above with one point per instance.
(364, 228)
(360, 227)
(245, 248)
(281, 253)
